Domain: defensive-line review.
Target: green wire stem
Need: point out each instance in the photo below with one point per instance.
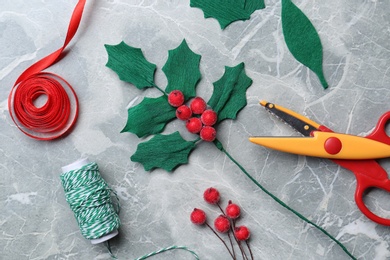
(168, 249)
(219, 145)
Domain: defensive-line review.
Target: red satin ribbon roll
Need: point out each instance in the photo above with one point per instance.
(59, 113)
(51, 120)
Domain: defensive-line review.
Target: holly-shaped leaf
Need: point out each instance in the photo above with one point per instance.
(253, 5)
(228, 11)
(130, 65)
(229, 95)
(163, 151)
(149, 117)
(182, 70)
(302, 39)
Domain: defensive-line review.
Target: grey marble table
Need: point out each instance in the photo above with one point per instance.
(35, 219)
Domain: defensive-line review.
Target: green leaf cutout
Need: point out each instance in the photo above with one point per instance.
(302, 39)
(163, 151)
(130, 65)
(149, 117)
(229, 95)
(228, 11)
(182, 70)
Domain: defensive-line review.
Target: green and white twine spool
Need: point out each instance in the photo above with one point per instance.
(89, 197)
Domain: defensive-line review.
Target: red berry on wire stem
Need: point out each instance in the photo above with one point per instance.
(198, 105)
(242, 233)
(183, 112)
(233, 211)
(176, 98)
(198, 216)
(209, 117)
(194, 125)
(222, 224)
(208, 133)
(211, 195)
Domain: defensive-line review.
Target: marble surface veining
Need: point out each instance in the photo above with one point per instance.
(37, 223)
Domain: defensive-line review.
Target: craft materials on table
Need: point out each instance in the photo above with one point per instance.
(56, 113)
(151, 115)
(354, 153)
(180, 100)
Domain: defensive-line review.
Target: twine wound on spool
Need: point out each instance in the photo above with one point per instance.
(89, 197)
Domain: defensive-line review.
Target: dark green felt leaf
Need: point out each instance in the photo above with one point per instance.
(149, 117)
(253, 5)
(182, 70)
(163, 151)
(130, 65)
(229, 95)
(302, 39)
(228, 11)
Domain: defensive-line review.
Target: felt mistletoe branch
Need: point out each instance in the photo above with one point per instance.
(151, 115)
(299, 33)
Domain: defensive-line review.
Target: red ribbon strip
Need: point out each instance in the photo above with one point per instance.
(59, 113)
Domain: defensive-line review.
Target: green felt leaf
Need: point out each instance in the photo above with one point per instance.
(229, 95)
(228, 11)
(130, 65)
(302, 39)
(163, 151)
(182, 70)
(149, 117)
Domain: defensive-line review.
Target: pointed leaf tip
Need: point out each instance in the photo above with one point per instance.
(302, 39)
(182, 70)
(163, 151)
(228, 11)
(149, 117)
(229, 95)
(130, 65)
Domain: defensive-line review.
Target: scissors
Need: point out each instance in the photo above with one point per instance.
(354, 153)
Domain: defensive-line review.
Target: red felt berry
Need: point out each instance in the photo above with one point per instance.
(183, 112)
(176, 98)
(194, 125)
(198, 216)
(222, 224)
(211, 195)
(242, 233)
(208, 133)
(232, 210)
(209, 117)
(198, 105)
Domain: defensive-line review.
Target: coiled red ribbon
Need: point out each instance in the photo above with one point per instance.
(59, 112)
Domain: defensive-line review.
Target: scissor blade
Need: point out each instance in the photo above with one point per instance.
(300, 123)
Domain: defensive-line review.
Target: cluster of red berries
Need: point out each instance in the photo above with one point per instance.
(199, 119)
(224, 223)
